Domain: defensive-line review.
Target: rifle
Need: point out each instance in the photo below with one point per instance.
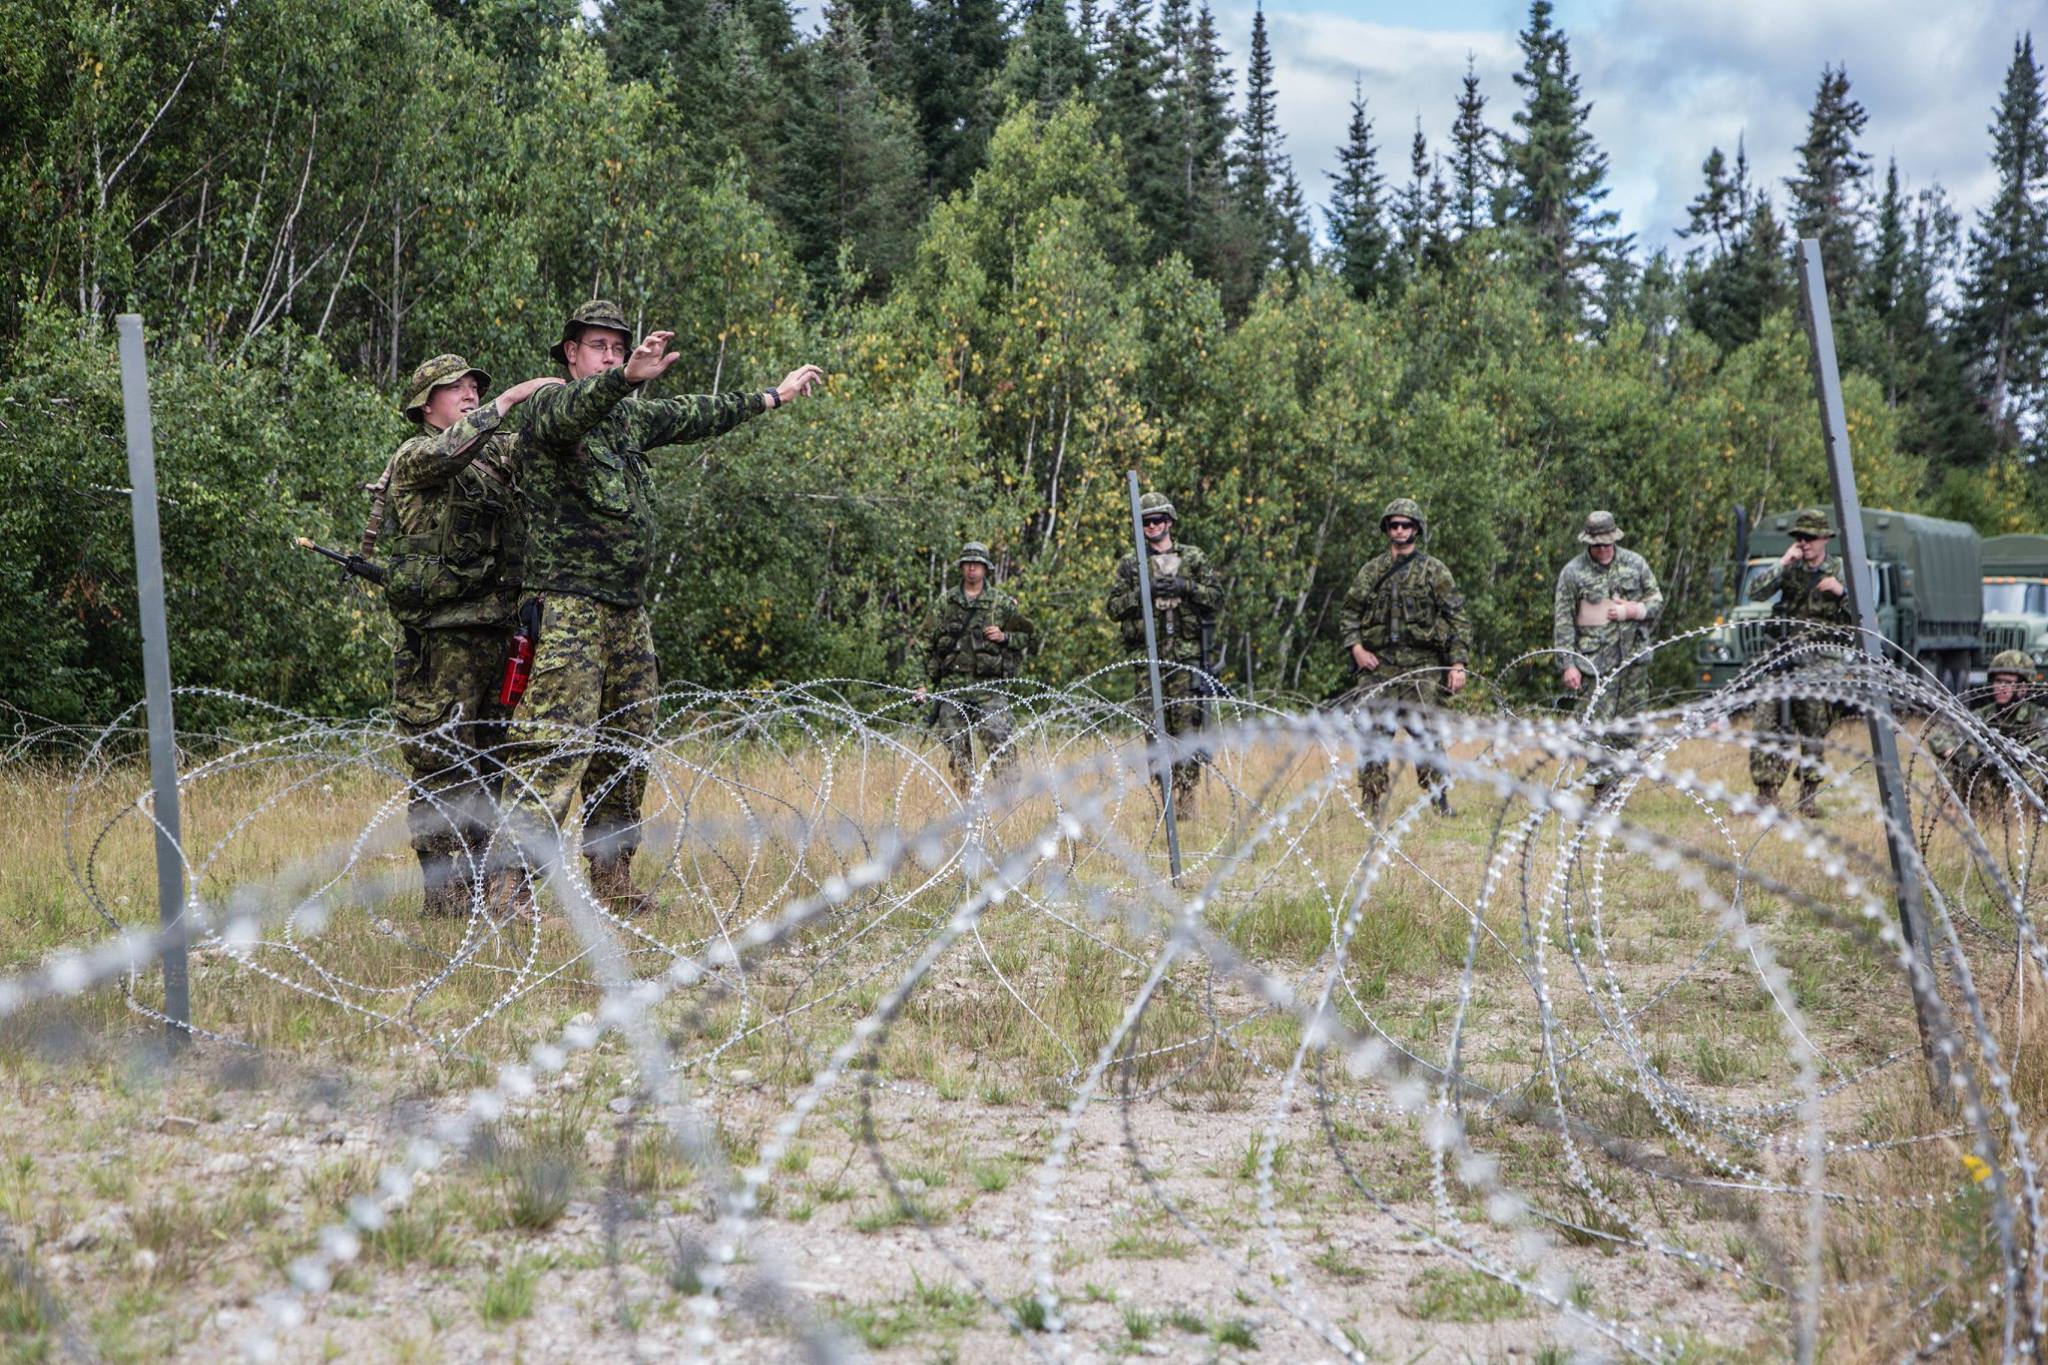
(354, 564)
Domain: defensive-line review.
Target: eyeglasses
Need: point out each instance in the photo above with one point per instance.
(1400, 525)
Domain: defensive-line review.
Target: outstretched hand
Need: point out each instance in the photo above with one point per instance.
(651, 358)
(800, 382)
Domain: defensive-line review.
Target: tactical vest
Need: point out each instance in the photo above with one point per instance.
(964, 651)
(463, 568)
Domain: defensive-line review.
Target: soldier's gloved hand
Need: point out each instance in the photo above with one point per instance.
(1573, 680)
(1166, 585)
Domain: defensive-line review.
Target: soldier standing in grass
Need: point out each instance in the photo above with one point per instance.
(1403, 616)
(1607, 603)
(1811, 595)
(453, 589)
(1185, 599)
(978, 639)
(590, 551)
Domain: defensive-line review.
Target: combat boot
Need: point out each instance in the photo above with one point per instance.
(1767, 798)
(611, 881)
(441, 891)
(1809, 799)
(508, 895)
(1442, 801)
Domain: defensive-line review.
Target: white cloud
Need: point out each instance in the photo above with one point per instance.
(1668, 81)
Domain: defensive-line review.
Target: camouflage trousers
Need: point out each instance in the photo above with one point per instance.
(1811, 719)
(1625, 695)
(585, 721)
(1375, 776)
(444, 696)
(1186, 715)
(962, 715)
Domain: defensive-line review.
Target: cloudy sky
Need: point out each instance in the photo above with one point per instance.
(1669, 79)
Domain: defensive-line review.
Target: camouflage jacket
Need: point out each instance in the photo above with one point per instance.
(1798, 595)
(589, 499)
(956, 647)
(1605, 644)
(1177, 619)
(2023, 723)
(456, 556)
(1407, 606)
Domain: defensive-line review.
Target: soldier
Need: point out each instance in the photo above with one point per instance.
(2007, 711)
(453, 590)
(1606, 603)
(1404, 612)
(979, 637)
(1811, 594)
(1185, 598)
(590, 551)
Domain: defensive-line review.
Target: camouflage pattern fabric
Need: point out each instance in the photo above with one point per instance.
(1599, 651)
(1176, 617)
(1408, 605)
(1194, 594)
(1375, 777)
(1803, 606)
(957, 647)
(457, 557)
(2023, 723)
(962, 715)
(444, 697)
(590, 505)
(594, 663)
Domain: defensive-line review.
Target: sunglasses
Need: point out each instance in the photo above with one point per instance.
(1806, 539)
(1158, 521)
(1399, 525)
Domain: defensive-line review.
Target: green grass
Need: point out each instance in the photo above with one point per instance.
(508, 1295)
(1441, 1295)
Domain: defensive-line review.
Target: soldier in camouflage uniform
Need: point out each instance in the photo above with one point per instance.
(980, 634)
(1185, 597)
(1404, 612)
(590, 550)
(1811, 593)
(1606, 605)
(2004, 709)
(453, 590)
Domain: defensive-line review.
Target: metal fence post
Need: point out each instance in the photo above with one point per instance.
(156, 677)
(1884, 744)
(1158, 693)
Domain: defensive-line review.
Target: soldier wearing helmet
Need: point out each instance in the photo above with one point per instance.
(591, 529)
(1185, 598)
(1404, 621)
(976, 644)
(2003, 710)
(1812, 594)
(1602, 614)
(453, 588)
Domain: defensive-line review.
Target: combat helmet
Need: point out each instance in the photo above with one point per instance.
(1600, 529)
(431, 375)
(596, 313)
(1405, 507)
(2013, 661)
(1812, 521)
(974, 552)
(1156, 505)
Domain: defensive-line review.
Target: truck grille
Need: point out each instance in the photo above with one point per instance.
(1751, 639)
(1997, 638)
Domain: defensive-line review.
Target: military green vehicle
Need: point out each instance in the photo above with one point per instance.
(1930, 595)
(2016, 597)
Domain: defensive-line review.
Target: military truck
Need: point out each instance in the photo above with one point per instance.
(2016, 597)
(1930, 595)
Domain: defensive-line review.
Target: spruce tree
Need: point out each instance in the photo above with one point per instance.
(960, 47)
(1827, 188)
(2003, 327)
(1471, 158)
(1043, 68)
(1361, 246)
(1130, 74)
(1269, 197)
(1555, 174)
(1715, 211)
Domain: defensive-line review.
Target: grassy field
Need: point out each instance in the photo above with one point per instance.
(1640, 1092)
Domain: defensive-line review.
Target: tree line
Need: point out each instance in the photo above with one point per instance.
(1034, 248)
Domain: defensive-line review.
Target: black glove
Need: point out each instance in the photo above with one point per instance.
(1168, 585)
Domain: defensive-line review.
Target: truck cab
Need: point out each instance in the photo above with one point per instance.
(1924, 569)
(2016, 598)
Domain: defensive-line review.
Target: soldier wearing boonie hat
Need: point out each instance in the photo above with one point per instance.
(591, 531)
(1602, 614)
(1812, 593)
(452, 586)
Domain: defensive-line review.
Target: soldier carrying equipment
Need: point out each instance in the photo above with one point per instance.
(1186, 596)
(353, 564)
(980, 636)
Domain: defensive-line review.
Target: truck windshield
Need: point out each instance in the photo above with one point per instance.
(2017, 596)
